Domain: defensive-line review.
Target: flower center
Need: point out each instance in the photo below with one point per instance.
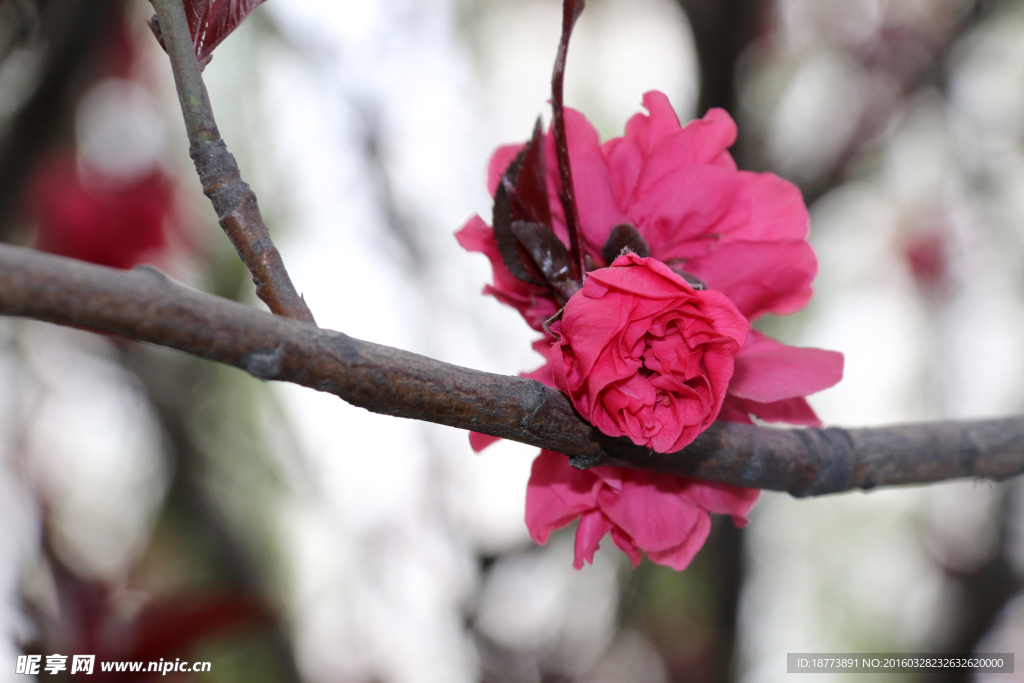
(645, 371)
(661, 396)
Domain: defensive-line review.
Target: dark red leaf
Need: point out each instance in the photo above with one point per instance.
(549, 255)
(624, 236)
(571, 10)
(210, 21)
(516, 259)
(529, 195)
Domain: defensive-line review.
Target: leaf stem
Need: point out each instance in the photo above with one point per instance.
(571, 10)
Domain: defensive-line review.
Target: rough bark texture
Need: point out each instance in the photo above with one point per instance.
(145, 305)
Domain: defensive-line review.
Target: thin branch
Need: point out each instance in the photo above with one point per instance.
(234, 201)
(144, 305)
(571, 10)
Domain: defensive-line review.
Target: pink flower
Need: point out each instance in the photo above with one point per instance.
(642, 354)
(771, 380)
(745, 236)
(665, 516)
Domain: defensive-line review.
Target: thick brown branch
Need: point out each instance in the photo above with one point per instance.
(144, 305)
(234, 201)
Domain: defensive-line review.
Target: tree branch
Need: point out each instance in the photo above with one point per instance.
(144, 305)
(234, 201)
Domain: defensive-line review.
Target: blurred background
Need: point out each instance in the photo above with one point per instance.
(153, 505)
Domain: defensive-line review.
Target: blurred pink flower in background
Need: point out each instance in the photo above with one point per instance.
(926, 254)
(117, 223)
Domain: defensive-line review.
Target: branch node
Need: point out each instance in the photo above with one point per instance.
(150, 270)
(264, 365)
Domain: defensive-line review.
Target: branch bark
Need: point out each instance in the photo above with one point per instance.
(234, 201)
(145, 305)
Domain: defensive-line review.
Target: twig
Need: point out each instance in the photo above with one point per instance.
(144, 305)
(234, 201)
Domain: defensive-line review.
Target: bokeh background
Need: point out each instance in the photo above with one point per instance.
(153, 505)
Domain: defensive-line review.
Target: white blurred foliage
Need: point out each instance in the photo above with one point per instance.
(19, 541)
(865, 572)
(816, 114)
(535, 602)
(76, 436)
(619, 51)
(838, 574)
(120, 134)
(92, 450)
(18, 74)
(631, 657)
(986, 114)
(810, 23)
(1006, 638)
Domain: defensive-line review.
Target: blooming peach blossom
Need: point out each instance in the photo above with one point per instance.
(642, 354)
(744, 236)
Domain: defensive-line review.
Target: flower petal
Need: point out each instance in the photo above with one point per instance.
(662, 121)
(591, 179)
(478, 441)
(759, 277)
(680, 556)
(626, 155)
(794, 411)
(734, 410)
(724, 499)
(626, 545)
(707, 218)
(500, 160)
(654, 509)
(700, 143)
(556, 494)
(593, 527)
(767, 370)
